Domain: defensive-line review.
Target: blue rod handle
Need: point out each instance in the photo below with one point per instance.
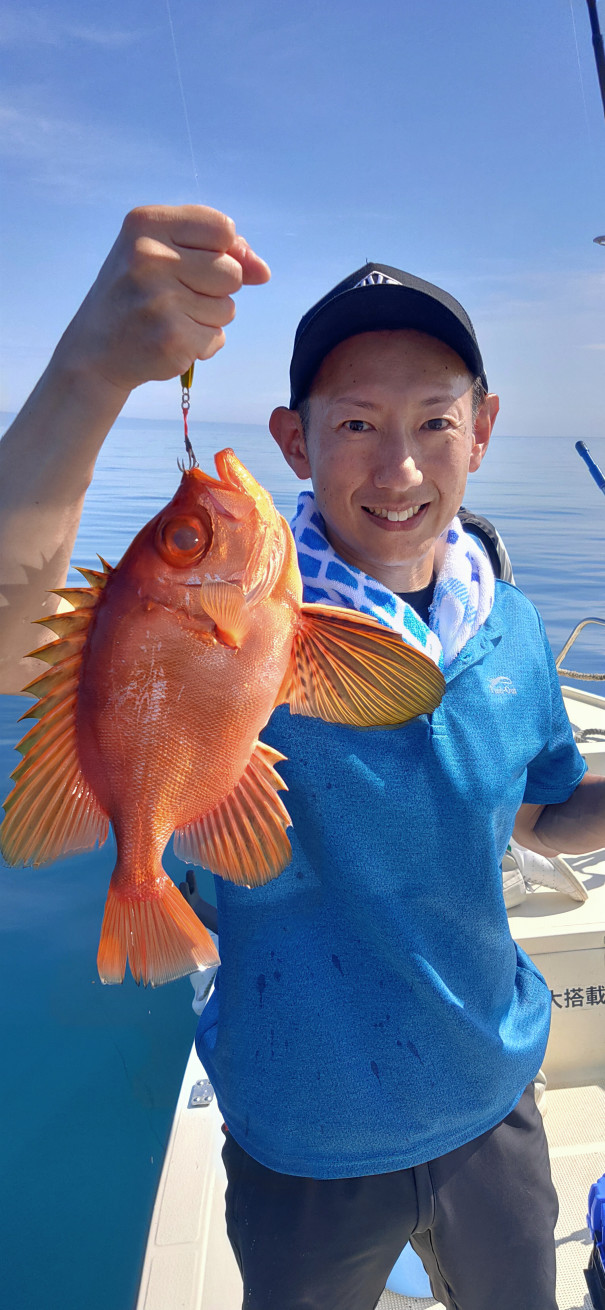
(593, 468)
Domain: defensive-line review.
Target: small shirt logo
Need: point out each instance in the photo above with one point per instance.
(502, 686)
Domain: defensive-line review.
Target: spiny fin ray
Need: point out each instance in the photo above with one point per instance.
(51, 810)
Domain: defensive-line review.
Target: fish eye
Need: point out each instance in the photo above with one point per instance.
(184, 539)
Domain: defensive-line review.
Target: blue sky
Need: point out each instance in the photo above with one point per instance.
(461, 140)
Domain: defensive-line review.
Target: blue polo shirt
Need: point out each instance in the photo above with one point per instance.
(372, 1010)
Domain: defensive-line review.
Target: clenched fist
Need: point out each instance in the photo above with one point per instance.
(162, 297)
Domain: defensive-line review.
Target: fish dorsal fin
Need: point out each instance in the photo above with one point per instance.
(51, 810)
(77, 597)
(225, 603)
(348, 668)
(67, 622)
(93, 577)
(244, 838)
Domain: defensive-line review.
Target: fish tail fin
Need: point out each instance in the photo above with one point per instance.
(155, 930)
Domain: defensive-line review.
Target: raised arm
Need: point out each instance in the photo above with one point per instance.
(160, 301)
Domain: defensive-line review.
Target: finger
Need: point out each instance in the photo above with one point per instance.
(198, 227)
(195, 227)
(208, 311)
(179, 346)
(254, 269)
(209, 273)
(208, 342)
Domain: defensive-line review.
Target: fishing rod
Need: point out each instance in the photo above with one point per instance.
(597, 42)
(599, 54)
(593, 468)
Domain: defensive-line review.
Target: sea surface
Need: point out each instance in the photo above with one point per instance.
(90, 1074)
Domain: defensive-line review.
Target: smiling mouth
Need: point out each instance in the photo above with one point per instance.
(394, 515)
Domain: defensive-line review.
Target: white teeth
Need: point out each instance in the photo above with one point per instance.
(394, 515)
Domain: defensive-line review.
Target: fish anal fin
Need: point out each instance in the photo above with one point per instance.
(244, 838)
(348, 668)
(155, 930)
(225, 604)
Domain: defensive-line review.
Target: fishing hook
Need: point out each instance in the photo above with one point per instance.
(186, 380)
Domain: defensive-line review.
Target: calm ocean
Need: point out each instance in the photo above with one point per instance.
(91, 1073)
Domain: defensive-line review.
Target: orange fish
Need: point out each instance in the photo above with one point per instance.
(164, 673)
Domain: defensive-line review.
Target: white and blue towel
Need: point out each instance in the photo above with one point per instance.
(464, 588)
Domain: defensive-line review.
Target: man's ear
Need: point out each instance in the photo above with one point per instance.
(287, 430)
(482, 429)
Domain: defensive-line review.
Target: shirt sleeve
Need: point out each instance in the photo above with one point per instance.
(555, 772)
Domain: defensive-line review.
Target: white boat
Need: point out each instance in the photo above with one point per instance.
(188, 1262)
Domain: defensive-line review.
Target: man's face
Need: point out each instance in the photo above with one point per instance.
(390, 435)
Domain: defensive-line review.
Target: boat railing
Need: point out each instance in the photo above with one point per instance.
(573, 673)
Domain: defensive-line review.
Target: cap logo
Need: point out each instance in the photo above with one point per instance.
(376, 279)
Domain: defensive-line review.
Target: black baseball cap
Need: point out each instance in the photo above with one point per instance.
(373, 298)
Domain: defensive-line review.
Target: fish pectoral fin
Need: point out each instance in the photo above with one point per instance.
(346, 667)
(244, 838)
(225, 604)
(152, 926)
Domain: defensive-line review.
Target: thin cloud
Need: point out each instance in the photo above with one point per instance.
(112, 40)
(74, 160)
(32, 25)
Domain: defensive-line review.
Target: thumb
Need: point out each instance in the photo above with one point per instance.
(254, 269)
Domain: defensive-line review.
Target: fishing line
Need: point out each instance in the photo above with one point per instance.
(575, 36)
(186, 378)
(184, 101)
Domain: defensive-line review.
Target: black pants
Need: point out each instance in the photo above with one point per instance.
(481, 1218)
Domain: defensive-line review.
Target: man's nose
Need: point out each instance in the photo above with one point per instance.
(397, 467)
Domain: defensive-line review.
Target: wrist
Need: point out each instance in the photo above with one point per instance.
(76, 378)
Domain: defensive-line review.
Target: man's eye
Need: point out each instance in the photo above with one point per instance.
(436, 424)
(356, 425)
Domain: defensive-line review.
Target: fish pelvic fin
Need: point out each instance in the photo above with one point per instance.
(244, 838)
(51, 810)
(153, 929)
(347, 668)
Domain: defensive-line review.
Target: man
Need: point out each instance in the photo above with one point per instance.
(372, 1049)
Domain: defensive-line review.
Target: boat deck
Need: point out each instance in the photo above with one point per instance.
(189, 1263)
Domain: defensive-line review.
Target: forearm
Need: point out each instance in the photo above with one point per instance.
(575, 827)
(47, 459)
(160, 301)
